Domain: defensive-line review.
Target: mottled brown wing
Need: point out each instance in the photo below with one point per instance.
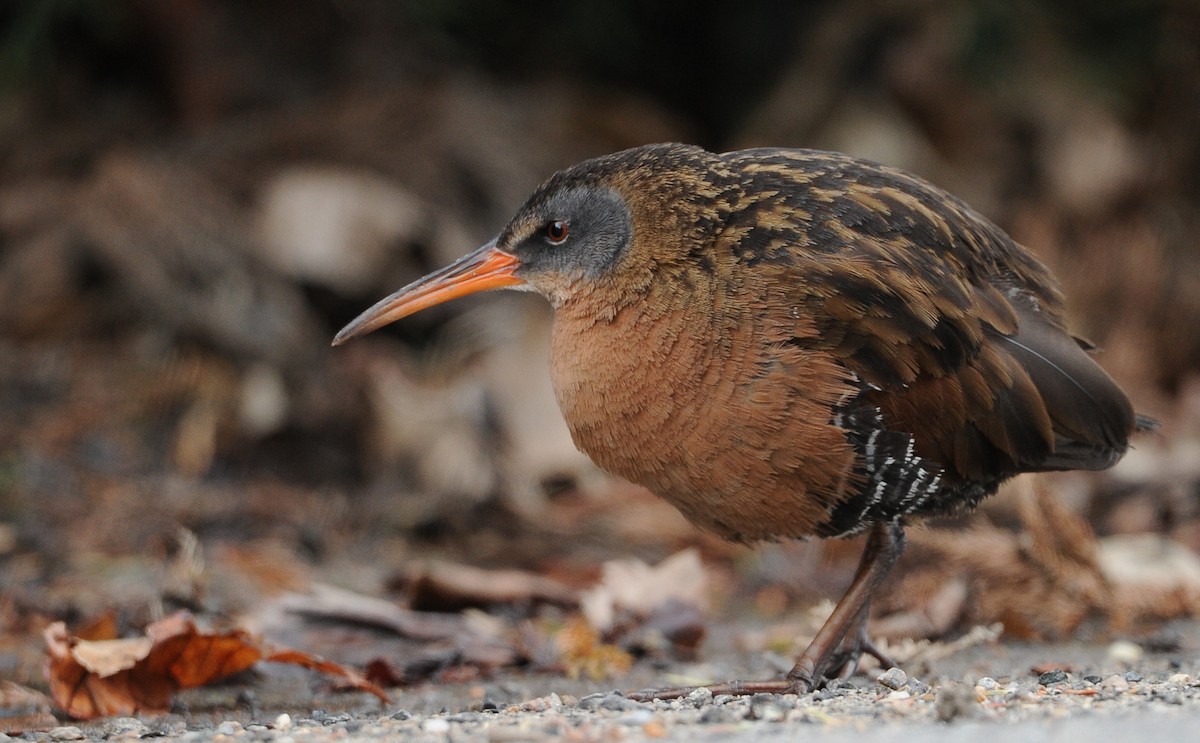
(954, 329)
(929, 355)
(986, 385)
(1030, 400)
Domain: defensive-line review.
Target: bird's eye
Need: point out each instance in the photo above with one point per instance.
(556, 232)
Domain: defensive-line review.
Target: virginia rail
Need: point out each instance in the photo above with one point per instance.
(792, 343)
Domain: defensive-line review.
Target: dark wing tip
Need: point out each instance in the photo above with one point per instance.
(1092, 417)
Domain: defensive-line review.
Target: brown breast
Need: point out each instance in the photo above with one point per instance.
(707, 404)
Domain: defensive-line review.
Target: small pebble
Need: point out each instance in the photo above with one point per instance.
(125, 727)
(401, 714)
(1092, 679)
(1056, 676)
(229, 727)
(833, 691)
(987, 683)
(715, 714)
(1115, 682)
(1133, 677)
(335, 719)
(283, 723)
(66, 732)
(700, 697)
(436, 725)
(554, 702)
(611, 701)
(457, 717)
(1171, 696)
(1124, 651)
(1180, 679)
(617, 703)
(893, 678)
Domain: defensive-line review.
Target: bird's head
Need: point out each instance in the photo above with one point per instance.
(610, 222)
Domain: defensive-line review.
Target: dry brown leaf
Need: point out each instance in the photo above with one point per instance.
(110, 677)
(325, 602)
(106, 657)
(84, 695)
(633, 586)
(417, 645)
(445, 586)
(350, 678)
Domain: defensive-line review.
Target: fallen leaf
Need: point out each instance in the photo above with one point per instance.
(447, 586)
(337, 604)
(350, 678)
(414, 646)
(380, 671)
(636, 587)
(112, 677)
(84, 695)
(106, 657)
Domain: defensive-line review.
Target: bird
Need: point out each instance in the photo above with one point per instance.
(793, 344)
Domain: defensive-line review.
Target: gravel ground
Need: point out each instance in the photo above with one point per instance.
(1093, 692)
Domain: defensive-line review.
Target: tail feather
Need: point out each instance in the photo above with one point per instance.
(1092, 417)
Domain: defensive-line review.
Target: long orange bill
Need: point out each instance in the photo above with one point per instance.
(485, 268)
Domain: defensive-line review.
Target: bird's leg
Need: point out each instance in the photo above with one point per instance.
(829, 651)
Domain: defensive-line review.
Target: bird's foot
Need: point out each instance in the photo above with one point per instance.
(732, 688)
(844, 663)
(867, 646)
(800, 680)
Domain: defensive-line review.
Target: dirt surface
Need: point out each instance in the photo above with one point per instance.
(1008, 691)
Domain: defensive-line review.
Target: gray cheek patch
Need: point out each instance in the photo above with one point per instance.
(601, 223)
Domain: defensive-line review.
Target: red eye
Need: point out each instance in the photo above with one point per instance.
(556, 232)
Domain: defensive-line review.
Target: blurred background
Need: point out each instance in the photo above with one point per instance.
(196, 194)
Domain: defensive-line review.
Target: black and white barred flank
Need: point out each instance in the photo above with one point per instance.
(896, 481)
